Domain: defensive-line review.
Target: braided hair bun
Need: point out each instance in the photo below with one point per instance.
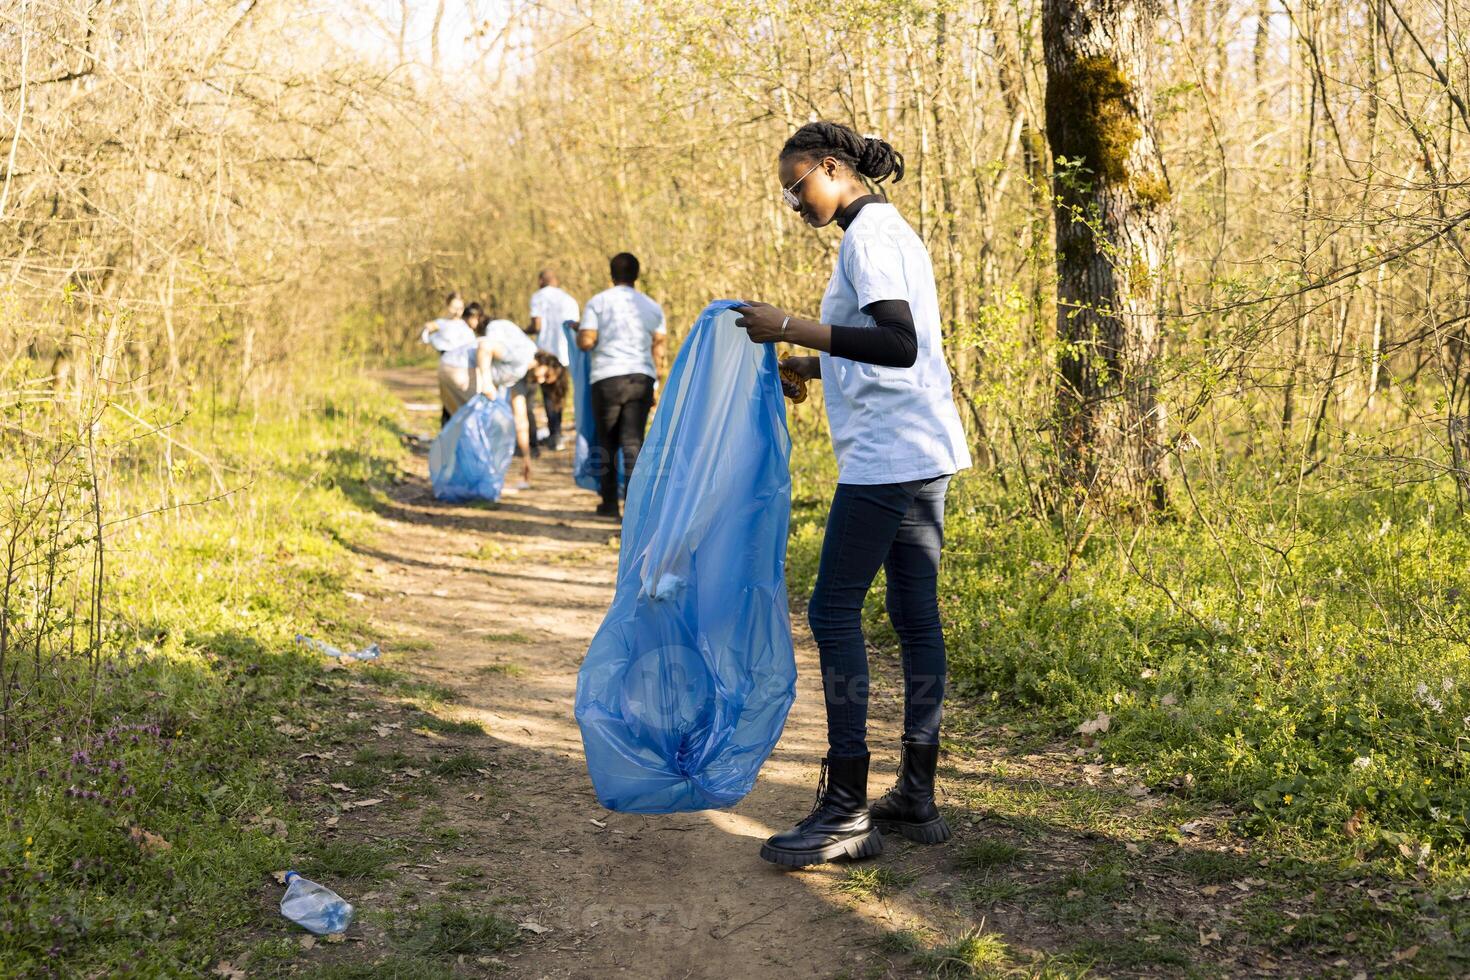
(868, 155)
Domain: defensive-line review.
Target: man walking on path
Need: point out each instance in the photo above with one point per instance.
(624, 330)
(551, 306)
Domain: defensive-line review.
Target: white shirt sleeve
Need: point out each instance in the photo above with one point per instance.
(589, 319)
(662, 327)
(874, 266)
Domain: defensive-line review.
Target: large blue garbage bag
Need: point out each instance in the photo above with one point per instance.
(469, 458)
(583, 470)
(686, 686)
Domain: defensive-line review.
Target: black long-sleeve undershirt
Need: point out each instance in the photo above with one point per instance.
(891, 342)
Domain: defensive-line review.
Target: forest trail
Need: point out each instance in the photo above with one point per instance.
(499, 604)
(480, 801)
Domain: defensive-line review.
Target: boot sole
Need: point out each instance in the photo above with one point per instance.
(934, 831)
(868, 845)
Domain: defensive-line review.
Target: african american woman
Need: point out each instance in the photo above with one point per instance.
(898, 440)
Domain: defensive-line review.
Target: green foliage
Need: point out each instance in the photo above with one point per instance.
(136, 782)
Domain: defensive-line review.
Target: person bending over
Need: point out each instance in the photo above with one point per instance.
(507, 359)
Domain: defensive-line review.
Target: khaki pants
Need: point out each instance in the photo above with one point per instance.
(456, 386)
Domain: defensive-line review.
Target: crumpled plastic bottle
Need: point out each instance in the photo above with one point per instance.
(315, 907)
(370, 652)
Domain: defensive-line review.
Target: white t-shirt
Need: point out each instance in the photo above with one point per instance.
(452, 335)
(517, 352)
(889, 424)
(554, 306)
(626, 321)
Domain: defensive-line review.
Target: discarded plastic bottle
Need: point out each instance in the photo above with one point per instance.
(315, 907)
(372, 652)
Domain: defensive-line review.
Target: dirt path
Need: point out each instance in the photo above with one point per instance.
(501, 603)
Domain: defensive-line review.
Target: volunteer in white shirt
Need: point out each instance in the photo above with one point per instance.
(506, 359)
(624, 330)
(447, 334)
(898, 440)
(552, 306)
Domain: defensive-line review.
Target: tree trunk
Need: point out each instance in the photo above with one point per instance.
(1112, 226)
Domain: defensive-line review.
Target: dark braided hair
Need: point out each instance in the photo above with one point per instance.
(868, 156)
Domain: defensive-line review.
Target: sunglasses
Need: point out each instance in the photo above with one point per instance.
(788, 194)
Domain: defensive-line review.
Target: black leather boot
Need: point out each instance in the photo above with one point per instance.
(838, 824)
(908, 808)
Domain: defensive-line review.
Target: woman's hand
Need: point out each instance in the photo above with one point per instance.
(806, 368)
(764, 324)
(761, 321)
(795, 373)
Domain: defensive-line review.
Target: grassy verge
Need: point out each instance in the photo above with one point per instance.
(143, 810)
(1287, 671)
(1311, 675)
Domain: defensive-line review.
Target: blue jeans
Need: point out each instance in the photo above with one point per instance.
(900, 527)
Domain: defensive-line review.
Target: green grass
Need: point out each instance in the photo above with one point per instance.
(453, 726)
(875, 882)
(901, 941)
(456, 765)
(991, 889)
(407, 686)
(494, 551)
(1122, 953)
(381, 759)
(131, 809)
(1211, 867)
(515, 636)
(973, 954)
(396, 967)
(986, 854)
(362, 778)
(445, 929)
(1322, 695)
(343, 860)
(501, 670)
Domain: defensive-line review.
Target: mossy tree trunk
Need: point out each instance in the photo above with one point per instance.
(1112, 227)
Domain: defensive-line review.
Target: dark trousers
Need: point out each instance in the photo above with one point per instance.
(553, 406)
(621, 406)
(899, 527)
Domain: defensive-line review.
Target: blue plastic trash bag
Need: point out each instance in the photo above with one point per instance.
(583, 468)
(469, 458)
(686, 686)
